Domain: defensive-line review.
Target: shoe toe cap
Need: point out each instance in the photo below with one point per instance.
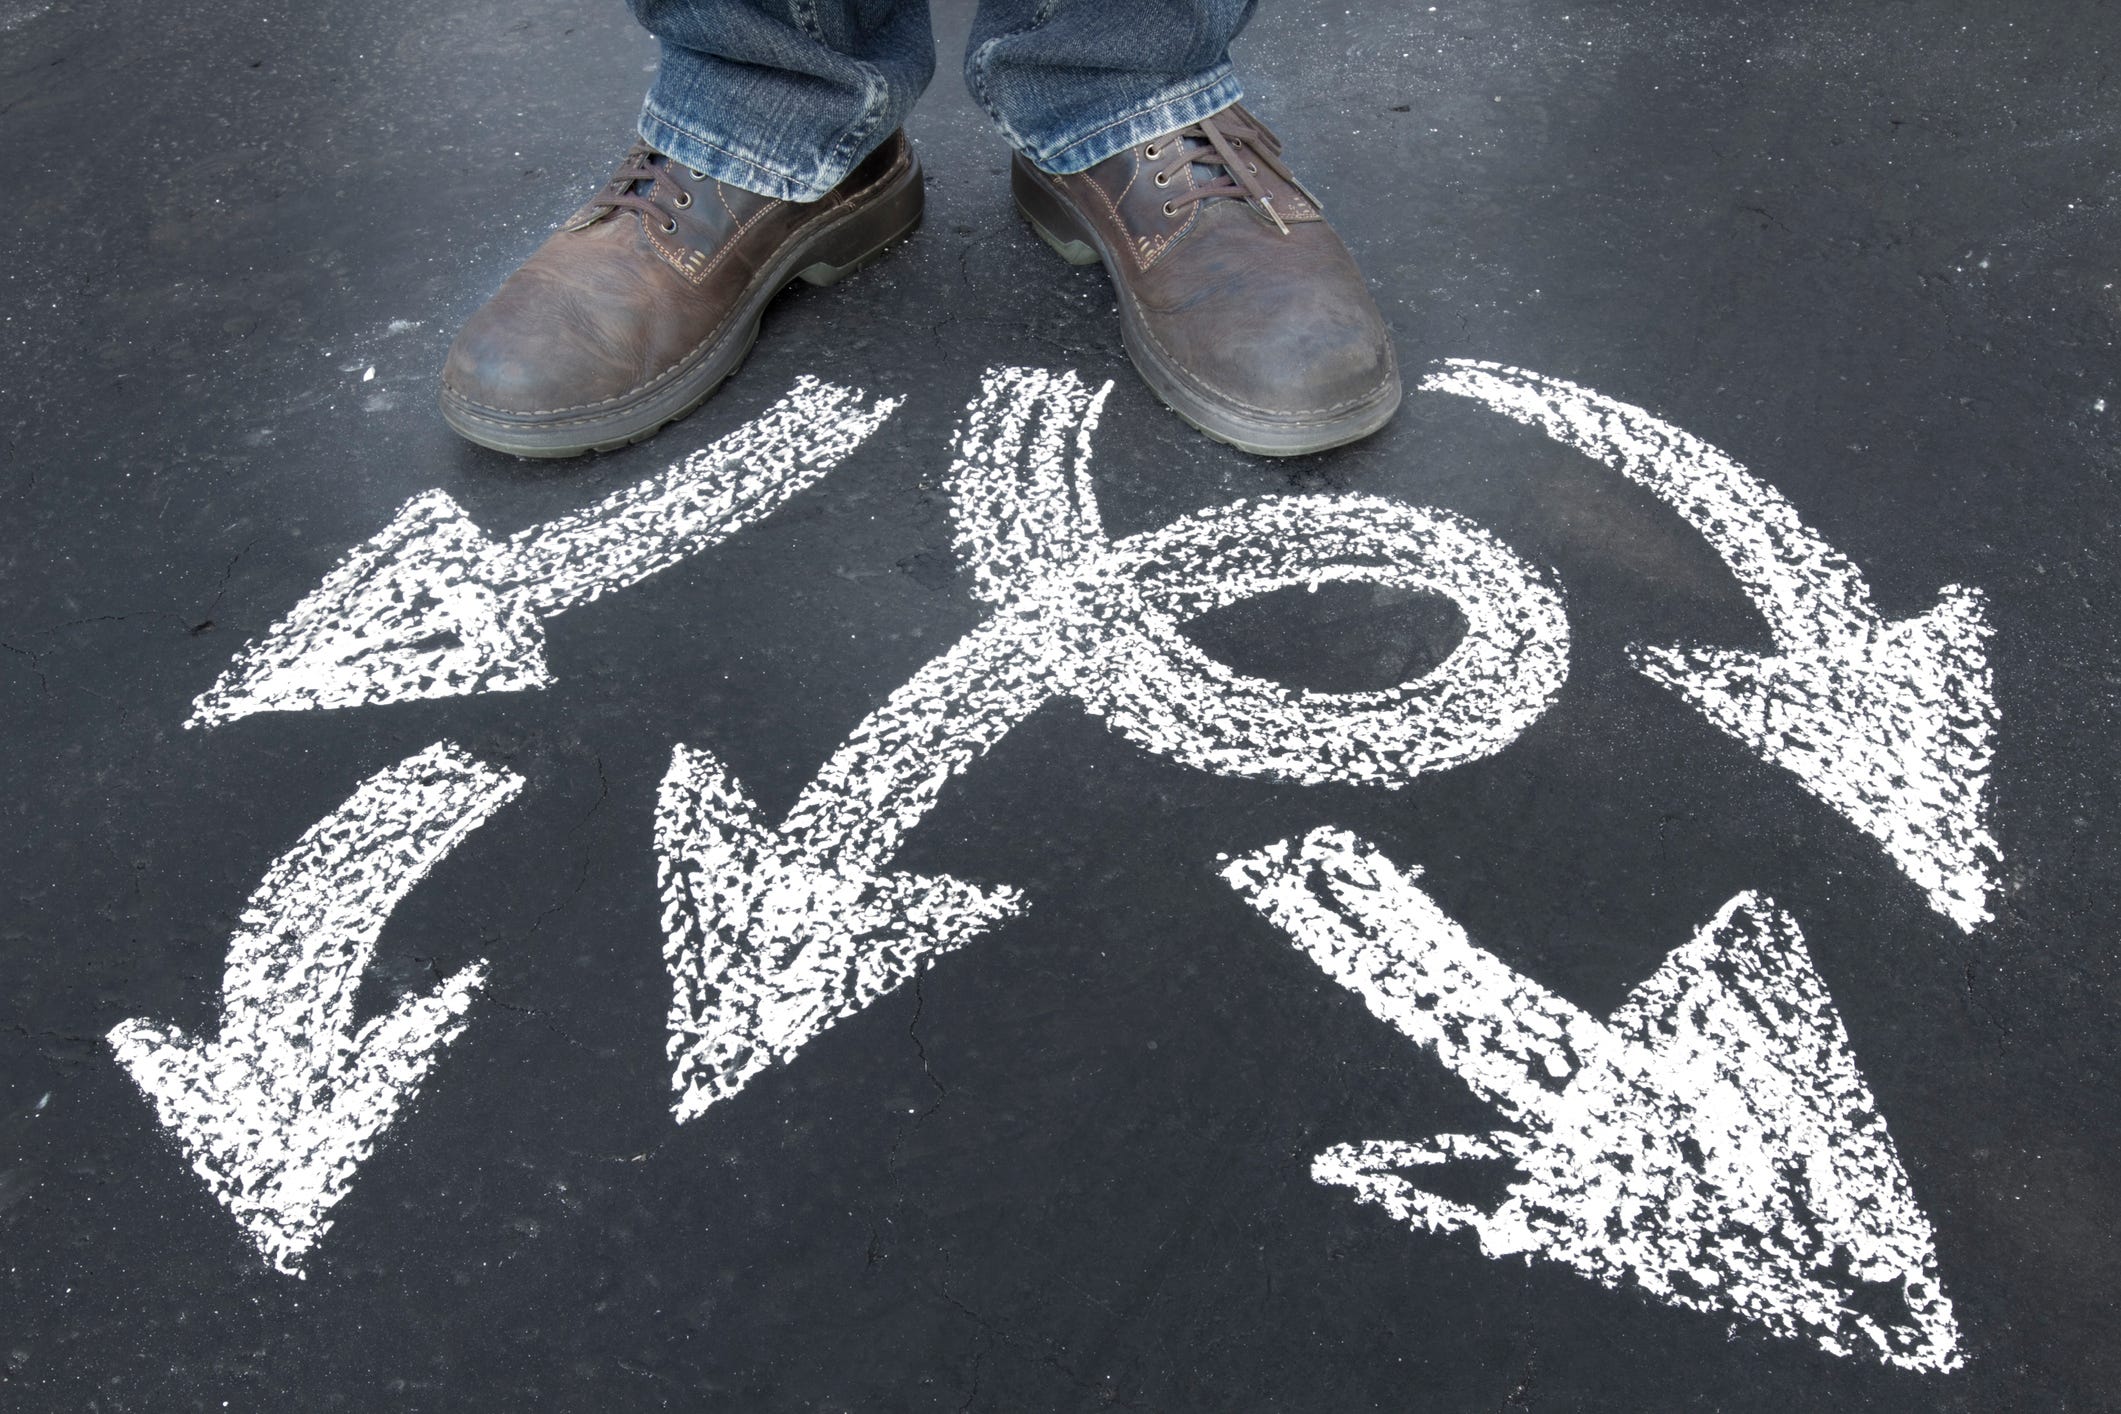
(1316, 367)
(537, 349)
(1297, 344)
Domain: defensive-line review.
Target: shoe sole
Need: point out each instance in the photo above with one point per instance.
(1078, 242)
(860, 237)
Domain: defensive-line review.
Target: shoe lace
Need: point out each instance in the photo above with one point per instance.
(1232, 145)
(629, 187)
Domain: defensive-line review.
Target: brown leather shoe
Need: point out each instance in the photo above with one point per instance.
(1237, 302)
(649, 296)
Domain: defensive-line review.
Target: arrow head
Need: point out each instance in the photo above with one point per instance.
(770, 941)
(413, 613)
(281, 1155)
(1738, 1040)
(279, 1111)
(1890, 725)
(1712, 1143)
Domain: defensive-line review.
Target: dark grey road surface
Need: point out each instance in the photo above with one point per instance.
(1869, 249)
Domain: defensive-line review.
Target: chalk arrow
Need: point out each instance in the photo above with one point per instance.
(773, 938)
(279, 1112)
(772, 934)
(1887, 722)
(1712, 1142)
(433, 608)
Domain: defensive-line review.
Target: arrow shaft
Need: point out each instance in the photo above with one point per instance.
(1363, 921)
(889, 772)
(1803, 587)
(703, 500)
(310, 928)
(1020, 491)
(1101, 622)
(1025, 516)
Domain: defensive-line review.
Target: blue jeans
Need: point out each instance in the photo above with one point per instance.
(784, 97)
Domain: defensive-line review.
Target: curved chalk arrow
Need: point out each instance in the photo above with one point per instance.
(432, 608)
(1888, 722)
(774, 934)
(279, 1112)
(1712, 1142)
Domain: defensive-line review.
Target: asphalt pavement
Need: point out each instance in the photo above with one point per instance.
(931, 923)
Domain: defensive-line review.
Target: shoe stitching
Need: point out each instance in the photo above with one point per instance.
(1121, 222)
(1292, 415)
(1186, 225)
(1133, 175)
(1093, 184)
(1162, 243)
(721, 194)
(677, 261)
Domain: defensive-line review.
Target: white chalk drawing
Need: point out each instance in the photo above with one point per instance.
(1712, 1142)
(279, 1113)
(775, 934)
(433, 608)
(1887, 722)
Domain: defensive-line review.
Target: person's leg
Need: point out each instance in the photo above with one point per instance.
(1071, 82)
(770, 152)
(1238, 303)
(782, 97)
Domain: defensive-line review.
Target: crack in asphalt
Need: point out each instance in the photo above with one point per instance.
(1046, 1357)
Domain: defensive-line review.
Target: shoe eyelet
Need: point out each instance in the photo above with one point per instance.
(684, 200)
(1169, 209)
(697, 174)
(669, 226)
(1251, 166)
(1163, 179)
(1150, 152)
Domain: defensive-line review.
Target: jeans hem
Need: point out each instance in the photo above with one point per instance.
(1188, 101)
(722, 159)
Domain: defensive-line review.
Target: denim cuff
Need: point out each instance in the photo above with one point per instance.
(1188, 101)
(793, 173)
